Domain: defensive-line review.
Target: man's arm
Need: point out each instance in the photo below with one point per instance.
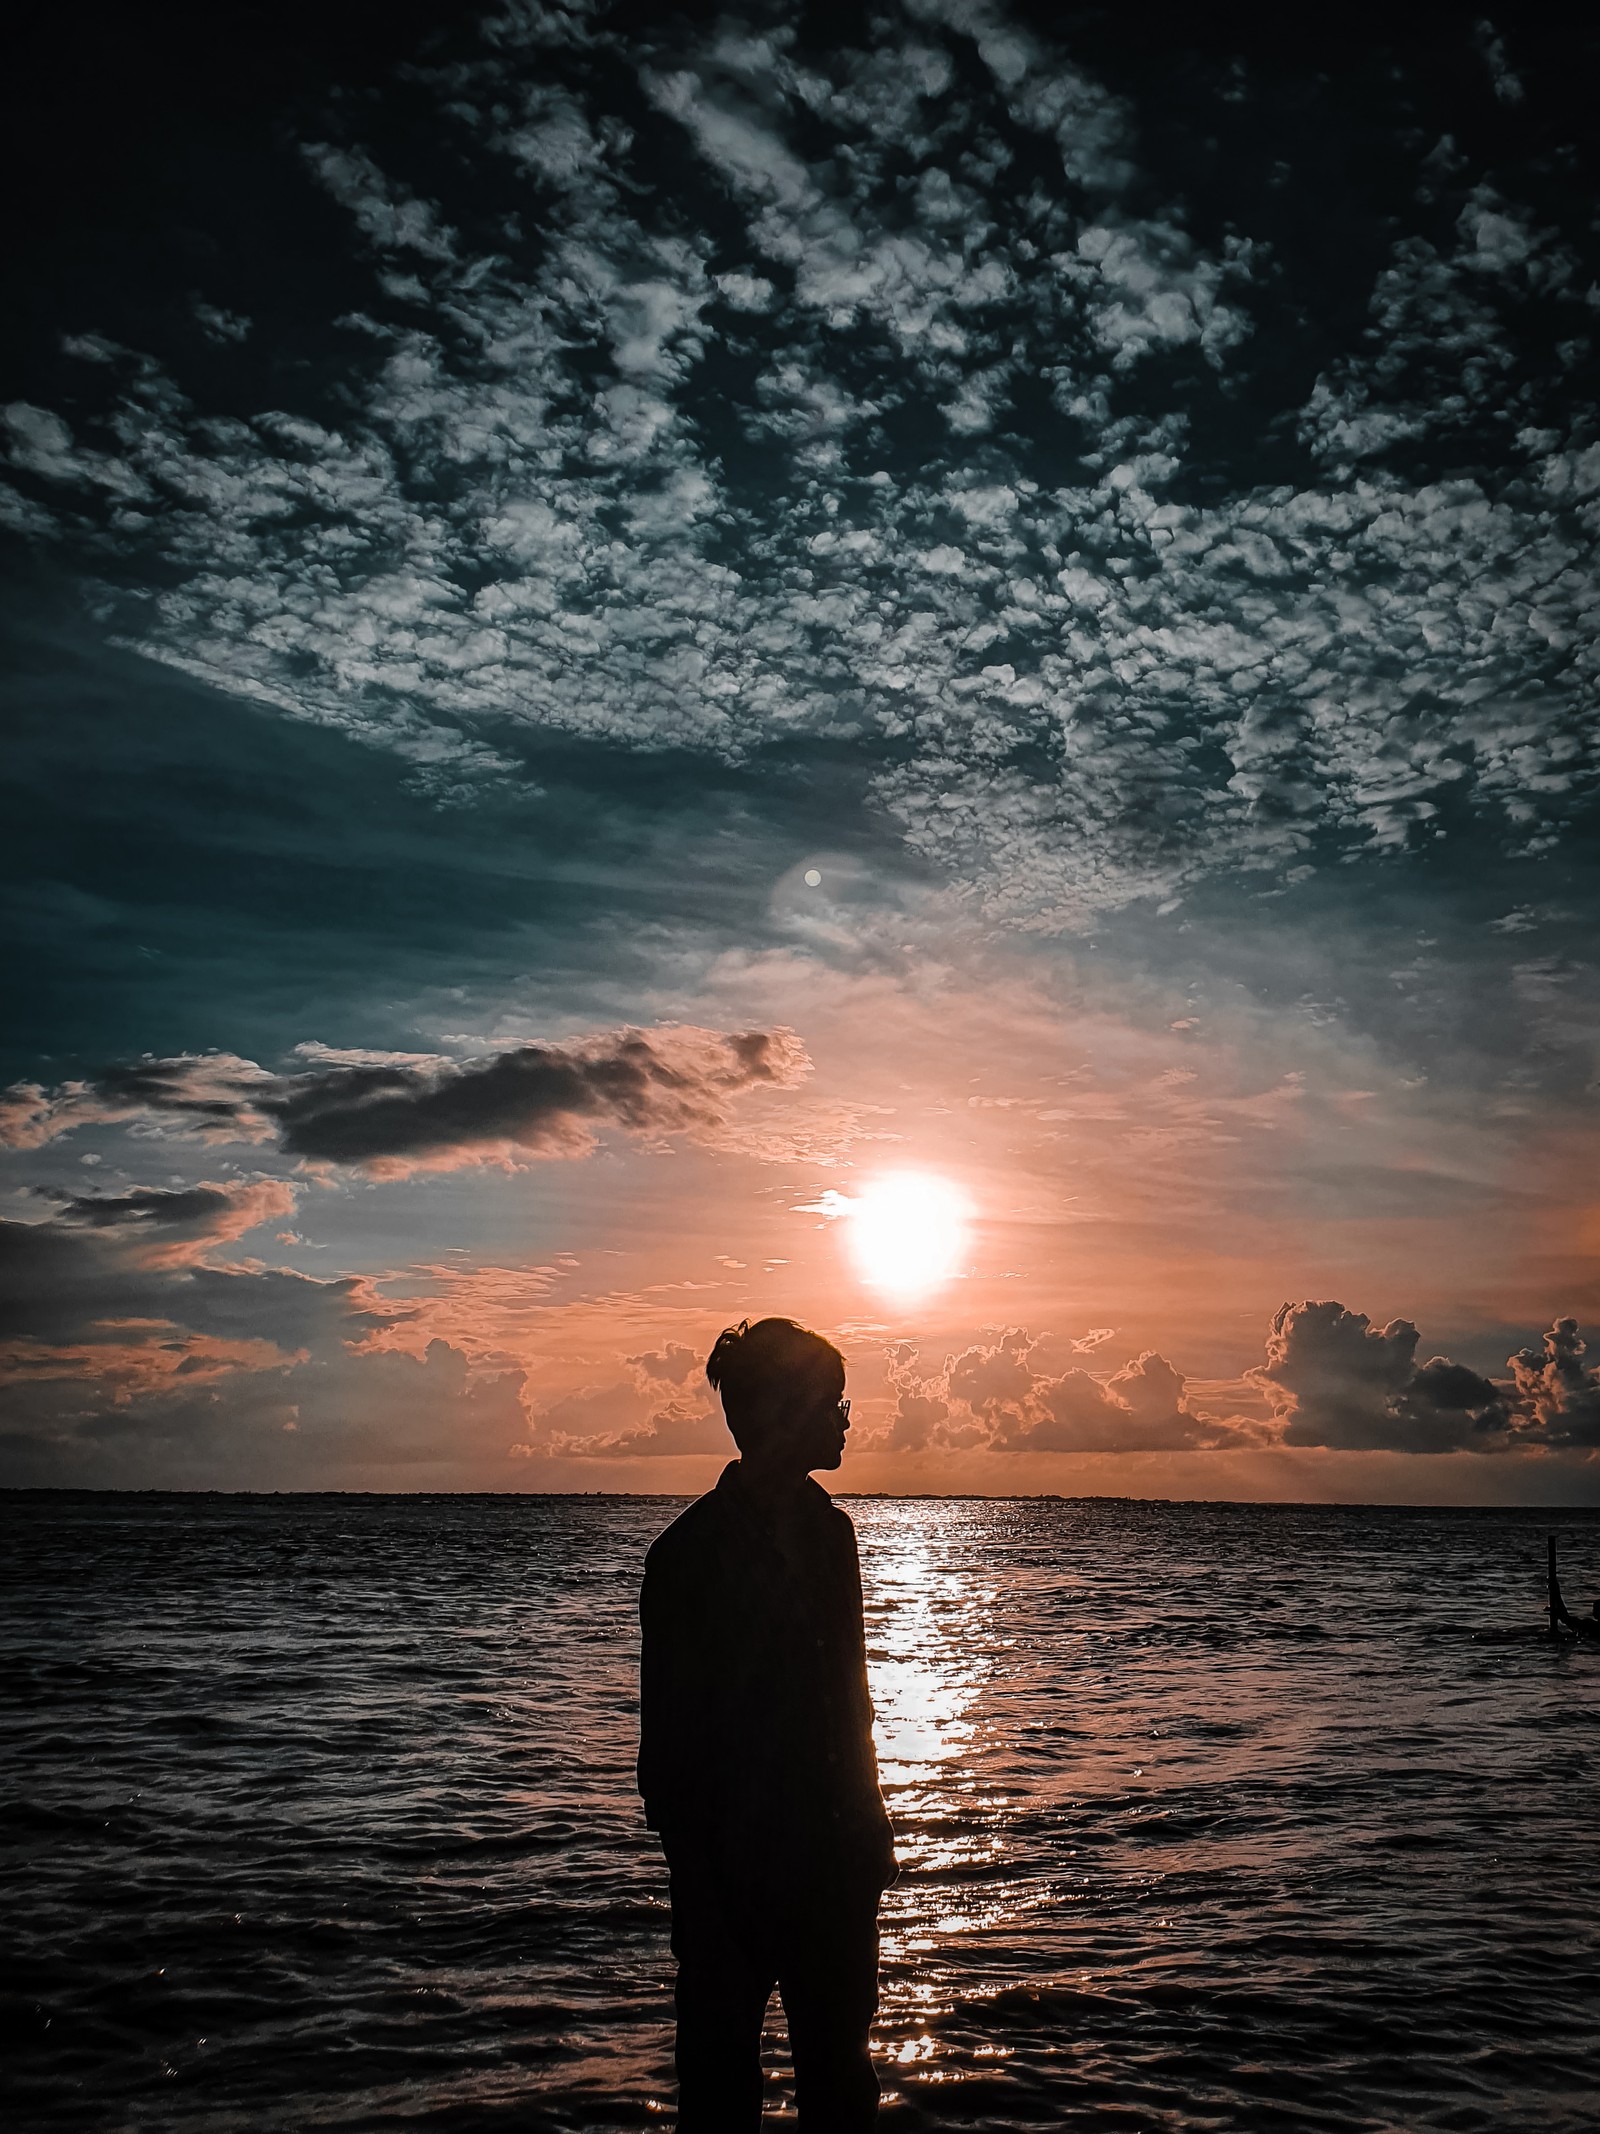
(670, 1693)
(878, 1830)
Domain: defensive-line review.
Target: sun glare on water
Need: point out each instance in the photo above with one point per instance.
(908, 1232)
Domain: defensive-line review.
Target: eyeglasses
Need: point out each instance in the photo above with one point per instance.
(844, 1410)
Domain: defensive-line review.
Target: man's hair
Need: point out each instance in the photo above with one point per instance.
(759, 1369)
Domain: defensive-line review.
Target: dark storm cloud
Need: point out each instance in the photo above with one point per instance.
(1344, 1383)
(391, 1113)
(1091, 647)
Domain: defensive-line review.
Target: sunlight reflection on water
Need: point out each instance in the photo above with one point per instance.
(928, 1659)
(923, 1684)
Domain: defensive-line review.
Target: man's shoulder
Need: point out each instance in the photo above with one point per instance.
(824, 1503)
(695, 1526)
(832, 1516)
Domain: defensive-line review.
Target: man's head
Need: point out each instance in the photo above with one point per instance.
(782, 1390)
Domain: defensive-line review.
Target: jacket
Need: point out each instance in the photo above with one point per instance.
(755, 1737)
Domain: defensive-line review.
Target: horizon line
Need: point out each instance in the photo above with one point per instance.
(873, 1496)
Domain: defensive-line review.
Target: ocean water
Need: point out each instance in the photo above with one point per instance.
(318, 1813)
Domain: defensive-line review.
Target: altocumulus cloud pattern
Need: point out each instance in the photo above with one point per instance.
(715, 391)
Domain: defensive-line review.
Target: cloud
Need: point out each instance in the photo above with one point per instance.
(1143, 1407)
(353, 1419)
(536, 1099)
(174, 1227)
(996, 1376)
(672, 1365)
(627, 1420)
(123, 1365)
(745, 291)
(1332, 1379)
(1559, 1390)
(1074, 688)
(395, 1114)
(917, 1417)
(63, 1284)
(388, 216)
(1339, 1381)
(219, 325)
(1507, 83)
(921, 1410)
(209, 1093)
(680, 1428)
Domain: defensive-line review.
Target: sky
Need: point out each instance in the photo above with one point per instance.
(931, 668)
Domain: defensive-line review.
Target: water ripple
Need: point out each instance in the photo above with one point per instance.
(318, 1813)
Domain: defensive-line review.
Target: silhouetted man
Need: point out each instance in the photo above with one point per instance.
(755, 1754)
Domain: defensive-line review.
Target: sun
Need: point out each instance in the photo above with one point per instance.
(908, 1232)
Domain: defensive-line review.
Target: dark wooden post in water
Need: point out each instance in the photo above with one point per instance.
(1557, 1610)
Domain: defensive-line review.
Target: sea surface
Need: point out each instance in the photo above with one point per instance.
(318, 1812)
